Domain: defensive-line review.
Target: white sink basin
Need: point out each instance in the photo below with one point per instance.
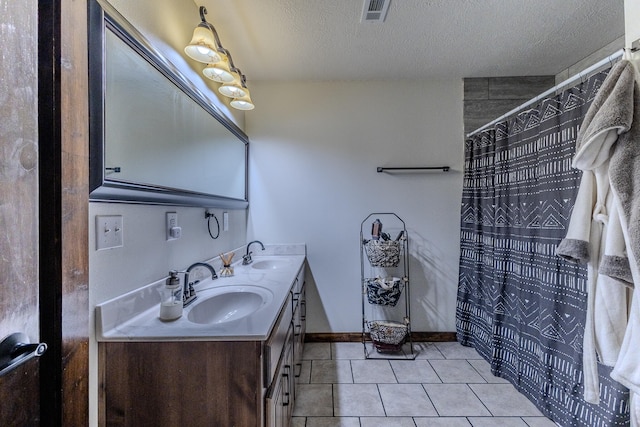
(270, 264)
(229, 303)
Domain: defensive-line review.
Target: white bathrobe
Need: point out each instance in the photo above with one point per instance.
(595, 234)
(624, 174)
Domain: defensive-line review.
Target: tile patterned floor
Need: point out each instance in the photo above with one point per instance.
(448, 385)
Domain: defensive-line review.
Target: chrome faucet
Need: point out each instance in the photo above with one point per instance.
(246, 259)
(189, 294)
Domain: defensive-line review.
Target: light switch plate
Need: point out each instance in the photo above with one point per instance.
(109, 232)
(225, 221)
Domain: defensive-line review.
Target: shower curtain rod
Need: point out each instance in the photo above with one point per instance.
(608, 60)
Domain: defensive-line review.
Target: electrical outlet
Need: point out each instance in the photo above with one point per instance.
(172, 230)
(109, 232)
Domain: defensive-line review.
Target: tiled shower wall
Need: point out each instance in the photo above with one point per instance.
(487, 98)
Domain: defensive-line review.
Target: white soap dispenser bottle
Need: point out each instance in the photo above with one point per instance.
(171, 298)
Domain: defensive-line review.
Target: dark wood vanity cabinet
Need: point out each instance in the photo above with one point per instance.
(181, 383)
(281, 394)
(206, 383)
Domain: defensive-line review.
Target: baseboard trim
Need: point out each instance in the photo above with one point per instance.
(357, 336)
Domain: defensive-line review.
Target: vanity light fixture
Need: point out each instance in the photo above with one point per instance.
(220, 71)
(243, 103)
(205, 47)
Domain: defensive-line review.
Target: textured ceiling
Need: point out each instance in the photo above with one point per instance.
(274, 40)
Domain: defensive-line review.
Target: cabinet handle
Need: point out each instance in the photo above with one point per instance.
(299, 366)
(298, 329)
(303, 310)
(288, 386)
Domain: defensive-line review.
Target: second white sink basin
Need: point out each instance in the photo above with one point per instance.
(270, 264)
(229, 303)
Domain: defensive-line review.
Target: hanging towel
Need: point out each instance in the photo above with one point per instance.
(593, 235)
(625, 183)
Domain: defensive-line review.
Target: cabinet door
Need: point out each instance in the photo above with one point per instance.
(275, 403)
(276, 342)
(279, 402)
(287, 360)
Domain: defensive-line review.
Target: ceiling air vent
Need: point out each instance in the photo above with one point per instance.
(375, 10)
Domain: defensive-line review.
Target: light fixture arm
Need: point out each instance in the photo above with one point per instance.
(232, 67)
(220, 48)
(205, 23)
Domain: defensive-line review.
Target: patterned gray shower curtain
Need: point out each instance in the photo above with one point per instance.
(522, 307)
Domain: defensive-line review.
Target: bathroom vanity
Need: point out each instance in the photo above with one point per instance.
(203, 369)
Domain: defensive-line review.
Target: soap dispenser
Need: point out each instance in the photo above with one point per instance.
(171, 302)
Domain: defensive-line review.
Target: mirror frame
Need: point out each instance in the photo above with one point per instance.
(103, 17)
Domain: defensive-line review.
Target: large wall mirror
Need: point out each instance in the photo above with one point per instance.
(155, 138)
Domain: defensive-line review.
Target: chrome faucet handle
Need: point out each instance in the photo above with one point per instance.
(246, 259)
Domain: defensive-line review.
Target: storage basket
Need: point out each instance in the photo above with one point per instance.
(387, 335)
(383, 253)
(384, 291)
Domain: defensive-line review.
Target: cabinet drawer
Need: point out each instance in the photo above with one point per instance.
(279, 399)
(277, 340)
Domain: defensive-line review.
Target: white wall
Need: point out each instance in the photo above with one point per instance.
(315, 149)
(632, 21)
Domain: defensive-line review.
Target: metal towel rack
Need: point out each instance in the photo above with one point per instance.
(419, 168)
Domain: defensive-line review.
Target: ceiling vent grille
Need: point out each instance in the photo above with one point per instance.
(375, 10)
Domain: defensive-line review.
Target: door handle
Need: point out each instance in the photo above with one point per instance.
(15, 350)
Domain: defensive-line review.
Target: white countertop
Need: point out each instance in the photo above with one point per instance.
(135, 315)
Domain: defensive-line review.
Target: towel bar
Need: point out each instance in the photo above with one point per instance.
(440, 168)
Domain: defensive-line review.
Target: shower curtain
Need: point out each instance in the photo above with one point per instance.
(519, 305)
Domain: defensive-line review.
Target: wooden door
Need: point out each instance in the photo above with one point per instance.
(19, 389)
(43, 208)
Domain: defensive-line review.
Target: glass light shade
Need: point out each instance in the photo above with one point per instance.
(233, 89)
(219, 72)
(202, 46)
(243, 103)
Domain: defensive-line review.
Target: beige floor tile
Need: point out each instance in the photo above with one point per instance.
(331, 371)
(333, 422)
(403, 354)
(504, 400)
(497, 422)
(538, 422)
(454, 350)
(357, 400)
(427, 350)
(484, 369)
(372, 371)
(455, 400)
(316, 350)
(386, 422)
(414, 371)
(347, 350)
(442, 422)
(406, 400)
(298, 421)
(447, 385)
(456, 371)
(313, 400)
(305, 373)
